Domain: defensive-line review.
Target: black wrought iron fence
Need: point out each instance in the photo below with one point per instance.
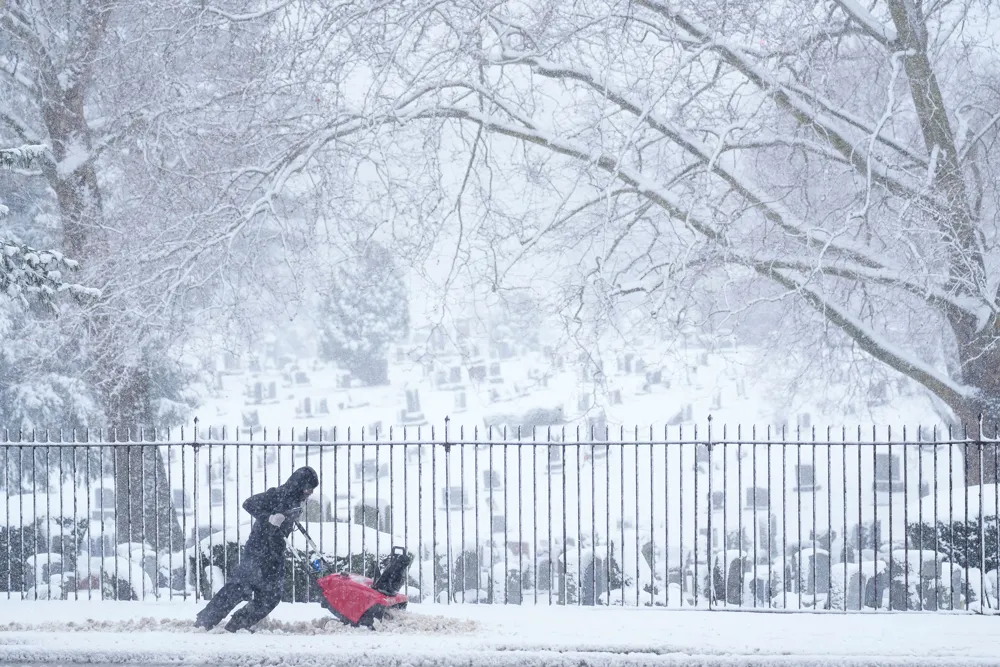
(831, 519)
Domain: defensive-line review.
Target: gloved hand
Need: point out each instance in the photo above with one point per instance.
(276, 520)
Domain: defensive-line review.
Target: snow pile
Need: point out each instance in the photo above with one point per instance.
(401, 623)
(301, 635)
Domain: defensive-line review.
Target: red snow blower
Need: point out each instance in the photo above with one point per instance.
(358, 600)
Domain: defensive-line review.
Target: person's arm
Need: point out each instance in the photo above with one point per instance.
(262, 505)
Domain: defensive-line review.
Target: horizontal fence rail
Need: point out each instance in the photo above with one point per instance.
(834, 519)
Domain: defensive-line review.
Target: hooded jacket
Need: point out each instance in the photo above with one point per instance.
(265, 548)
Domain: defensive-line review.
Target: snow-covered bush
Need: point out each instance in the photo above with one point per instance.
(959, 540)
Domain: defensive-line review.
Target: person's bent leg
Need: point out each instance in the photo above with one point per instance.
(263, 603)
(221, 604)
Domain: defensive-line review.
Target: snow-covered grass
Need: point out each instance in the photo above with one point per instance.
(305, 635)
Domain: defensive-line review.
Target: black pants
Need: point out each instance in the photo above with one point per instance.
(262, 601)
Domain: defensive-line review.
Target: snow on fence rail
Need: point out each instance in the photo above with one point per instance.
(831, 519)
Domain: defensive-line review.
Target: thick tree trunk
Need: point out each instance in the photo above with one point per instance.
(74, 178)
(980, 367)
(63, 98)
(144, 507)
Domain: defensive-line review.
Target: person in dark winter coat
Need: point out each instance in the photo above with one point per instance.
(259, 576)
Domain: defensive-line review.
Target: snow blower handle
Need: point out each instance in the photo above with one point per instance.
(302, 529)
(316, 563)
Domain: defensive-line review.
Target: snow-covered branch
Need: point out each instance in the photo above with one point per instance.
(11, 70)
(248, 16)
(871, 342)
(27, 273)
(22, 156)
(801, 109)
(884, 34)
(988, 126)
(773, 210)
(895, 277)
(953, 393)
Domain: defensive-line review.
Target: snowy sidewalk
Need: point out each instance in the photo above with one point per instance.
(305, 636)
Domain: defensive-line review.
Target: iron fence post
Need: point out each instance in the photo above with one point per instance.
(195, 446)
(982, 522)
(711, 509)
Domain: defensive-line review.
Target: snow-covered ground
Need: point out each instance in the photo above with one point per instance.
(304, 635)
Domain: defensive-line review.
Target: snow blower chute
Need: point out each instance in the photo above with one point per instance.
(358, 600)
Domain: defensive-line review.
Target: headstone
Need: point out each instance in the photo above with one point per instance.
(876, 590)
(317, 509)
(466, 575)
(718, 500)
(454, 498)
(814, 571)
(555, 458)
(230, 363)
(251, 419)
(412, 400)
(366, 515)
(734, 582)
(759, 589)
(597, 430)
(593, 582)
(547, 572)
(854, 595)
(365, 470)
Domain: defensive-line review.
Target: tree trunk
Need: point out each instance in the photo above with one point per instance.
(74, 178)
(144, 511)
(144, 507)
(979, 360)
(62, 100)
